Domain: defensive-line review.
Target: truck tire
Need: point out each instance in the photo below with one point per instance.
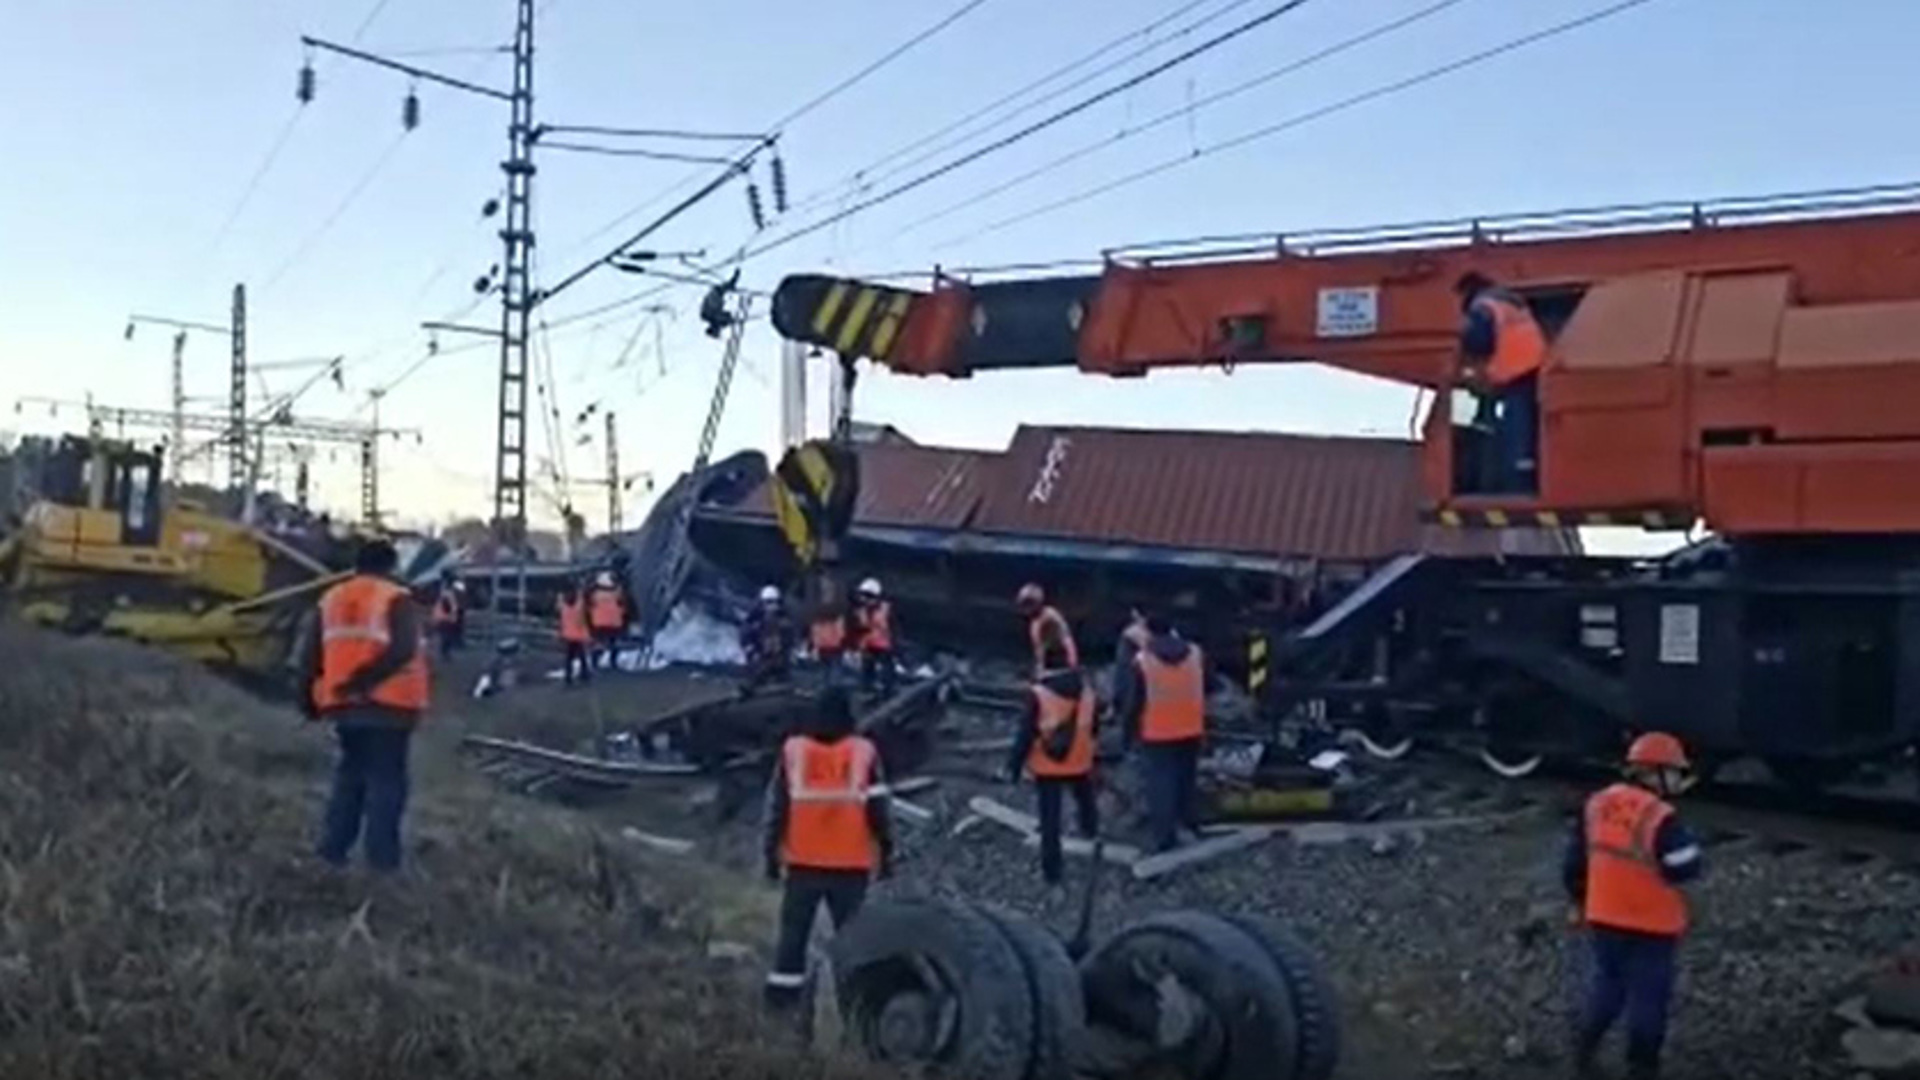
(1060, 1015)
(937, 984)
(1249, 1030)
(1316, 1010)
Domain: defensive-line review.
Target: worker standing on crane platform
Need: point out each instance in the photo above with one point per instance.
(1502, 349)
(360, 658)
(1054, 745)
(827, 826)
(1162, 705)
(1625, 863)
(1046, 627)
(575, 634)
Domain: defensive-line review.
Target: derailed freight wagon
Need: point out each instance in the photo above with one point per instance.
(1228, 531)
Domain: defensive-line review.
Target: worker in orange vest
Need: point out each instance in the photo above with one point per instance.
(827, 826)
(1162, 705)
(448, 615)
(1502, 349)
(1054, 745)
(575, 634)
(1625, 863)
(606, 617)
(873, 628)
(1045, 627)
(361, 660)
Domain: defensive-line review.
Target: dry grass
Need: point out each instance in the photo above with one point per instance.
(159, 915)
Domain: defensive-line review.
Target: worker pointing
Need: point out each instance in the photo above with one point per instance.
(1161, 703)
(1046, 627)
(361, 660)
(1502, 349)
(827, 827)
(1624, 865)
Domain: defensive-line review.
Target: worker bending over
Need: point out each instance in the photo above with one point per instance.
(1046, 628)
(1624, 865)
(873, 629)
(1054, 745)
(766, 637)
(1161, 701)
(607, 618)
(1502, 349)
(827, 827)
(574, 634)
(360, 658)
(449, 615)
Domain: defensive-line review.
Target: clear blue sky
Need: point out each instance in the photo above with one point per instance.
(133, 128)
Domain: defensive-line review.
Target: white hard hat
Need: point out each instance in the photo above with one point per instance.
(769, 594)
(869, 587)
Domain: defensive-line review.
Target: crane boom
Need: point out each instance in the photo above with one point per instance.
(1754, 367)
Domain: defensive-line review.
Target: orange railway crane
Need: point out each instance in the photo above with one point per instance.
(1751, 365)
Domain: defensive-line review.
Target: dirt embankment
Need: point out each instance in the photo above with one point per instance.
(160, 915)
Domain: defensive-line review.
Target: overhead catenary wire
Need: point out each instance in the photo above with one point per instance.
(806, 107)
(1172, 115)
(1052, 119)
(935, 143)
(326, 225)
(652, 133)
(1300, 119)
(633, 151)
(878, 63)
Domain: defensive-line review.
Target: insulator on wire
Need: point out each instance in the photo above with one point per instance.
(779, 169)
(410, 110)
(305, 90)
(489, 208)
(482, 284)
(753, 205)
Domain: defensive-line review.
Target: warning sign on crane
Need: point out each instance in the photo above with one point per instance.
(1349, 312)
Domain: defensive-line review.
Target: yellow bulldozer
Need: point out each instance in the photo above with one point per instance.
(101, 549)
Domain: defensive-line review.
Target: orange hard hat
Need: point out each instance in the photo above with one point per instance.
(1657, 748)
(1029, 594)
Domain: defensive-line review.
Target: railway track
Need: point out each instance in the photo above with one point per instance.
(1843, 827)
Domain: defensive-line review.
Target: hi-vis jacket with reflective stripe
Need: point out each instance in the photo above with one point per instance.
(355, 632)
(1631, 868)
(827, 788)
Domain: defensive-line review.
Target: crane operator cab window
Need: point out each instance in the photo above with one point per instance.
(1502, 348)
(136, 490)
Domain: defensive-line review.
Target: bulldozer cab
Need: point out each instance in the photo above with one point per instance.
(111, 487)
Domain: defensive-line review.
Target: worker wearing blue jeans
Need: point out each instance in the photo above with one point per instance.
(370, 789)
(364, 672)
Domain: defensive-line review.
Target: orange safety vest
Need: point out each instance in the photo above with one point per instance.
(876, 627)
(827, 634)
(354, 630)
(446, 610)
(1625, 889)
(1055, 710)
(828, 785)
(606, 610)
(1037, 633)
(573, 620)
(1519, 346)
(1176, 706)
